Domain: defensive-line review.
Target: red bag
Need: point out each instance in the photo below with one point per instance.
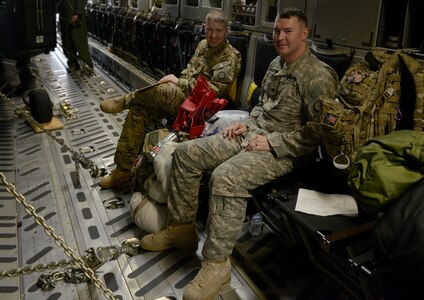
(197, 108)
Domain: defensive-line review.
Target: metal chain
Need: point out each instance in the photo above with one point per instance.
(94, 260)
(58, 240)
(78, 157)
(48, 282)
(37, 268)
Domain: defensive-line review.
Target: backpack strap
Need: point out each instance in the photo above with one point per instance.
(416, 69)
(388, 111)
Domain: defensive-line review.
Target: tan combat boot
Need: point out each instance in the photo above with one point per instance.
(117, 104)
(180, 236)
(212, 275)
(114, 179)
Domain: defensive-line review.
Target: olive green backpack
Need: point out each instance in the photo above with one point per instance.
(385, 168)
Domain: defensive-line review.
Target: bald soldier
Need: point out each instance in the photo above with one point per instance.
(268, 144)
(214, 58)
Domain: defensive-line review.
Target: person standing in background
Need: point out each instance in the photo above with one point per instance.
(73, 30)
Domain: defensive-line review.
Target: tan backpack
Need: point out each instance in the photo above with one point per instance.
(365, 107)
(381, 94)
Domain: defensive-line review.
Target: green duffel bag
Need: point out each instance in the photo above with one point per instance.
(385, 168)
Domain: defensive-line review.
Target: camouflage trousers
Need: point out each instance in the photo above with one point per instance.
(147, 106)
(235, 172)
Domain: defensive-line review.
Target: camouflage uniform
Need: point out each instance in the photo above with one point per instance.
(220, 65)
(74, 38)
(288, 101)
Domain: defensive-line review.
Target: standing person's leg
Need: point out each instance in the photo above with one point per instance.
(146, 107)
(69, 49)
(68, 46)
(80, 40)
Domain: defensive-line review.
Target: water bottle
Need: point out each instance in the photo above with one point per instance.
(172, 137)
(256, 221)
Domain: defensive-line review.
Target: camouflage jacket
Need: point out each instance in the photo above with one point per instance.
(289, 99)
(220, 66)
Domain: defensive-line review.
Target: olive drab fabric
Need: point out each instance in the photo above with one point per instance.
(74, 37)
(385, 168)
(219, 65)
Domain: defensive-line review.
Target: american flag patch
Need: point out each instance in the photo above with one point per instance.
(330, 119)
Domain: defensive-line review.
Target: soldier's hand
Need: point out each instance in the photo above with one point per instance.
(234, 130)
(259, 143)
(75, 19)
(169, 78)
